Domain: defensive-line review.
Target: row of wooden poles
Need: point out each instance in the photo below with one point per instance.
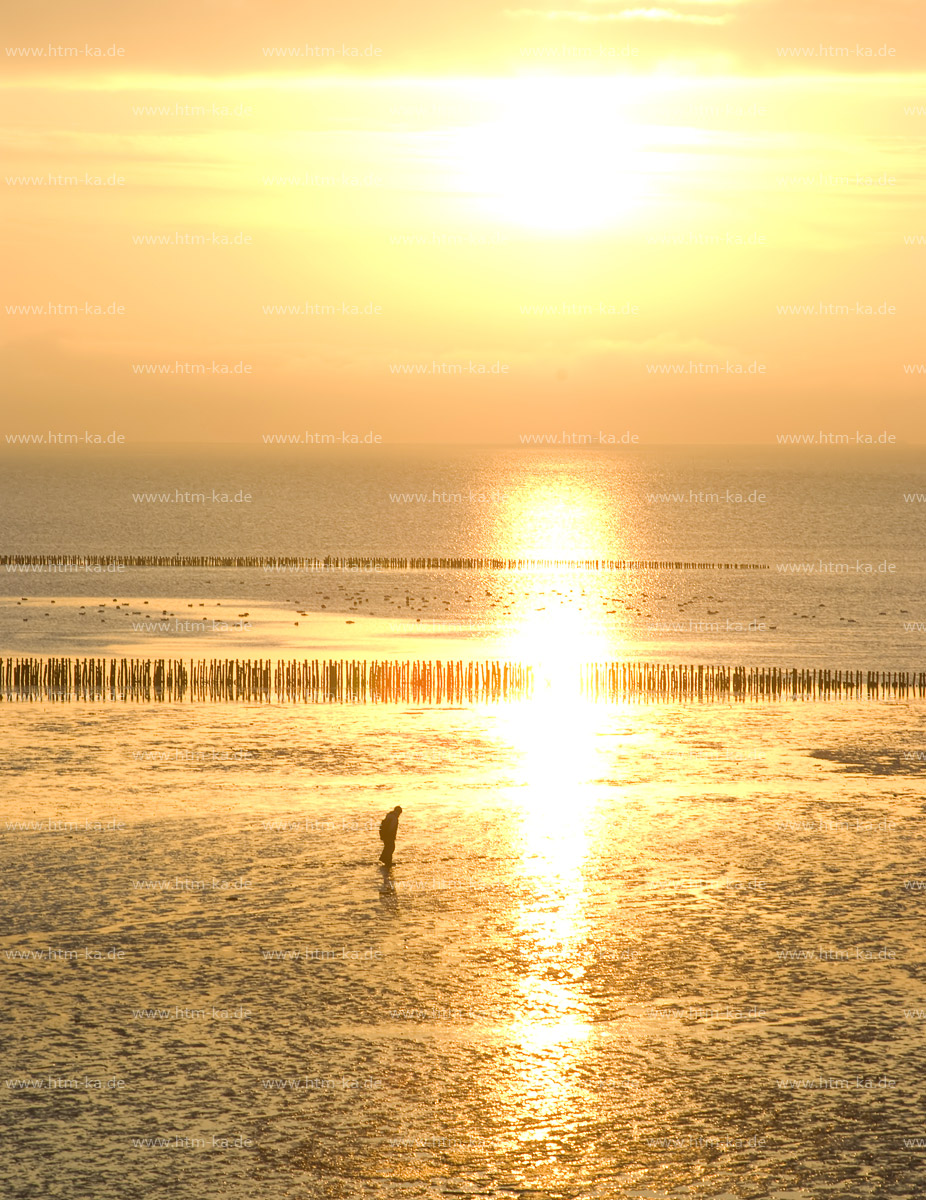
(688, 681)
(311, 681)
(354, 681)
(269, 562)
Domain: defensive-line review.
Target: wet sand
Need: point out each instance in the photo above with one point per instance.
(580, 979)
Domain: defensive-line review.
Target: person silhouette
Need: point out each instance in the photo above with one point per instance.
(388, 829)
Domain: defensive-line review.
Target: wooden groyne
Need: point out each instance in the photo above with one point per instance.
(668, 682)
(308, 681)
(416, 681)
(76, 563)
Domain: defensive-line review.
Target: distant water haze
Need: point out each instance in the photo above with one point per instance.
(836, 532)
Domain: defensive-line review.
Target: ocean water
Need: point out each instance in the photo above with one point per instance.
(626, 951)
(569, 502)
(842, 585)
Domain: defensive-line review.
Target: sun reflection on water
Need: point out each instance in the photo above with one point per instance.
(556, 758)
(553, 736)
(558, 755)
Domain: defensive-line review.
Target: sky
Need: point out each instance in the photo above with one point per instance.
(672, 222)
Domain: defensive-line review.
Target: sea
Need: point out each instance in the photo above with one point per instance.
(641, 950)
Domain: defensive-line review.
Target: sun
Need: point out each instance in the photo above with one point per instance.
(559, 156)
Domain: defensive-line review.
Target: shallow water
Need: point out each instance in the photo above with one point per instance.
(841, 548)
(632, 951)
(626, 951)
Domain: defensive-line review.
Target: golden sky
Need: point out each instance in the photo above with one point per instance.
(698, 221)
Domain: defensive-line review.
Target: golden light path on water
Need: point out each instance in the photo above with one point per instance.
(557, 756)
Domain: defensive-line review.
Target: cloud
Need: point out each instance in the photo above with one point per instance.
(670, 345)
(688, 4)
(627, 14)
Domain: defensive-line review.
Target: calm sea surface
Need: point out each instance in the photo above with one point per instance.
(625, 951)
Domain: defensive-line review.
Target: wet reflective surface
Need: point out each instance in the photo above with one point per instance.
(626, 951)
(840, 548)
(640, 952)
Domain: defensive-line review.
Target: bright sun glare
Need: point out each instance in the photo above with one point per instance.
(560, 156)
